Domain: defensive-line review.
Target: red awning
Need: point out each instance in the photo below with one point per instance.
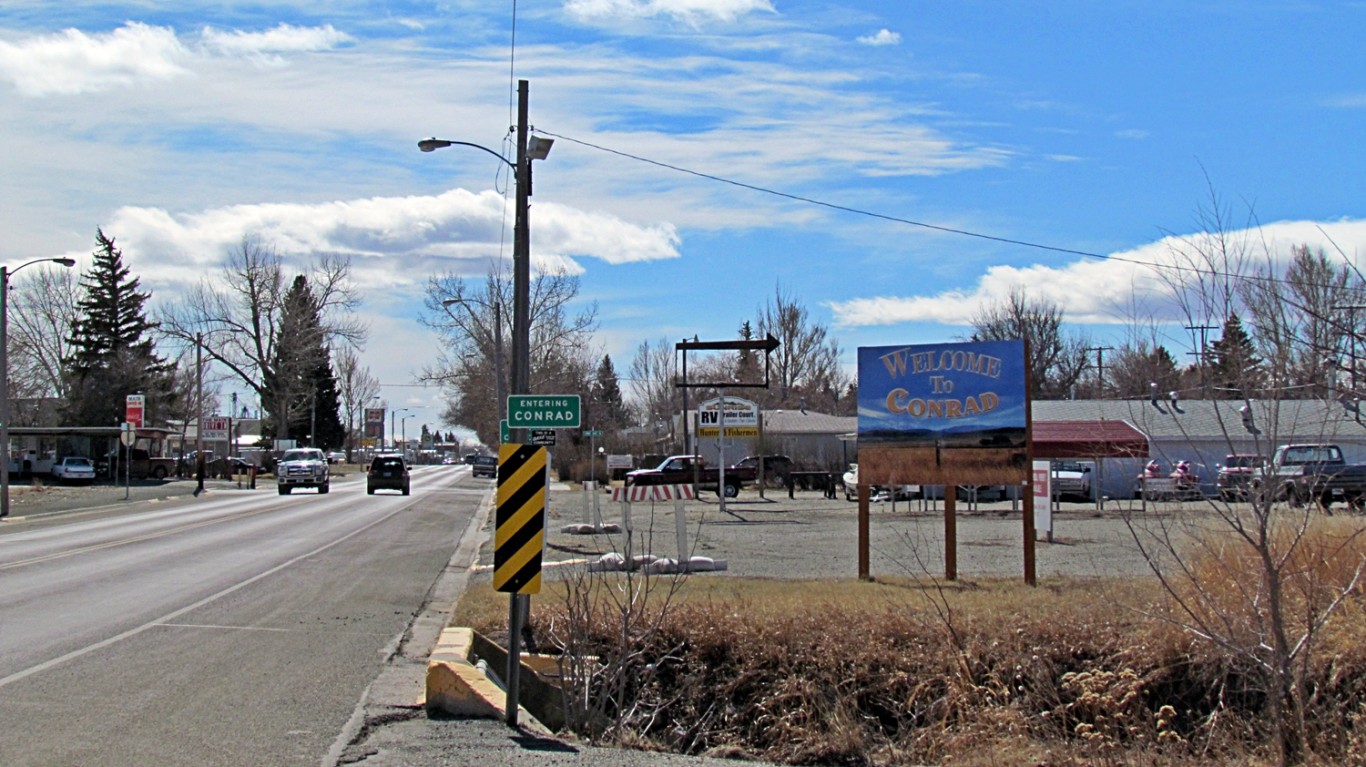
(1088, 439)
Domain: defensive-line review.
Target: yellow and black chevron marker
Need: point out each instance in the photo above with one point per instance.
(519, 537)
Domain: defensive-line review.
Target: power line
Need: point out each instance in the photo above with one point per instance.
(924, 225)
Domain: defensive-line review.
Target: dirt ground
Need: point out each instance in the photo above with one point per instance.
(813, 537)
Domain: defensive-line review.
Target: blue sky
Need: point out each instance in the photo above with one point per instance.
(179, 127)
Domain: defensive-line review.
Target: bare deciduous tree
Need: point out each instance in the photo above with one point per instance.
(240, 313)
(560, 339)
(42, 311)
(356, 387)
(805, 368)
(655, 397)
(1056, 358)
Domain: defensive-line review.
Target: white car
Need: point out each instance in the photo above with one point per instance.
(74, 468)
(876, 493)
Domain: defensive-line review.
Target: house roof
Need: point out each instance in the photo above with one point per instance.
(1095, 428)
(1277, 420)
(809, 422)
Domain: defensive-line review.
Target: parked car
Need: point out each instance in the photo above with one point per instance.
(137, 462)
(1071, 480)
(74, 468)
(775, 468)
(875, 492)
(1237, 473)
(485, 466)
(387, 472)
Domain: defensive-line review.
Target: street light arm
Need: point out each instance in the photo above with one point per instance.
(433, 144)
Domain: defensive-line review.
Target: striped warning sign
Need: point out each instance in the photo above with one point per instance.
(519, 536)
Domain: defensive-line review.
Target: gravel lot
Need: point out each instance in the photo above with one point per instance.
(813, 537)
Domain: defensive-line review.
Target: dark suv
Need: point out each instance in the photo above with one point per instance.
(485, 466)
(387, 472)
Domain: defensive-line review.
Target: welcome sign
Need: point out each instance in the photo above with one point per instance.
(937, 413)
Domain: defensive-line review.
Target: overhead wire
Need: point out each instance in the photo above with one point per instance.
(911, 222)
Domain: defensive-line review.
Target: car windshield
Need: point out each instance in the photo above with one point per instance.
(77, 462)
(1242, 461)
(486, 460)
(301, 455)
(388, 463)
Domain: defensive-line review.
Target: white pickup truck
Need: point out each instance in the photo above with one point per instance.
(302, 467)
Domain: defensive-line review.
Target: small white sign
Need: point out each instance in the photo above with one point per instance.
(1043, 498)
(619, 461)
(215, 427)
(741, 417)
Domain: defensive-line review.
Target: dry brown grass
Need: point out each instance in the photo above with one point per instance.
(902, 672)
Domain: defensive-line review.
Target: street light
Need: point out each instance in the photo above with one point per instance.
(536, 149)
(5, 273)
(528, 149)
(392, 422)
(499, 400)
(403, 425)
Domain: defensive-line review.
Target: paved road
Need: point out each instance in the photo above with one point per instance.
(236, 628)
(805, 537)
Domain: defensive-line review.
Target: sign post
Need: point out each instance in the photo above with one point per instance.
(518, 545)
(128, 436)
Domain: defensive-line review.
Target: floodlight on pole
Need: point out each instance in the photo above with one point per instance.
(528, 148)
(5, 274)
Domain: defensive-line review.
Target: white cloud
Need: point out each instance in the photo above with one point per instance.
(1094, 291)
(282, 39)
(883, 37)
(72, 61)
(393, 241)
(690, 11)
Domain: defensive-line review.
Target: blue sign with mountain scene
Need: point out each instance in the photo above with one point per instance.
(943, 395)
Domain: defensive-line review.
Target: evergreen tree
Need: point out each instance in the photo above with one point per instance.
(322, 418)
(293, 387)
(112, 353)
(1234, 367)
(609, 409)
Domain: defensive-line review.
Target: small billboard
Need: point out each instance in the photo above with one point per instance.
(741, 417)
(951, 413)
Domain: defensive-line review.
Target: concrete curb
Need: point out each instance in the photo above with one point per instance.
(456, 686)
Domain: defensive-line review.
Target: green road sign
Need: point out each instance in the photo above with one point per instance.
(592, 432)
(544, 411)
(504, 433)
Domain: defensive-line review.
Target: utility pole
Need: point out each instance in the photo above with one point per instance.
(199, 406)
(1200, 352)
(1100, 368)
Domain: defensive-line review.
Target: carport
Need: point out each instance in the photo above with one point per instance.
(1094, 440)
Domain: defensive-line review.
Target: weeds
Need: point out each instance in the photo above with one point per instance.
(909, 671)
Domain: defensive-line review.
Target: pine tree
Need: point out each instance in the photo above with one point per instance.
(1234, 367)
(112, 351)
(609, 409)
(300, 390)
(322, 420)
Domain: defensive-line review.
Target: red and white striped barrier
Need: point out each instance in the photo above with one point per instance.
(638, 493)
